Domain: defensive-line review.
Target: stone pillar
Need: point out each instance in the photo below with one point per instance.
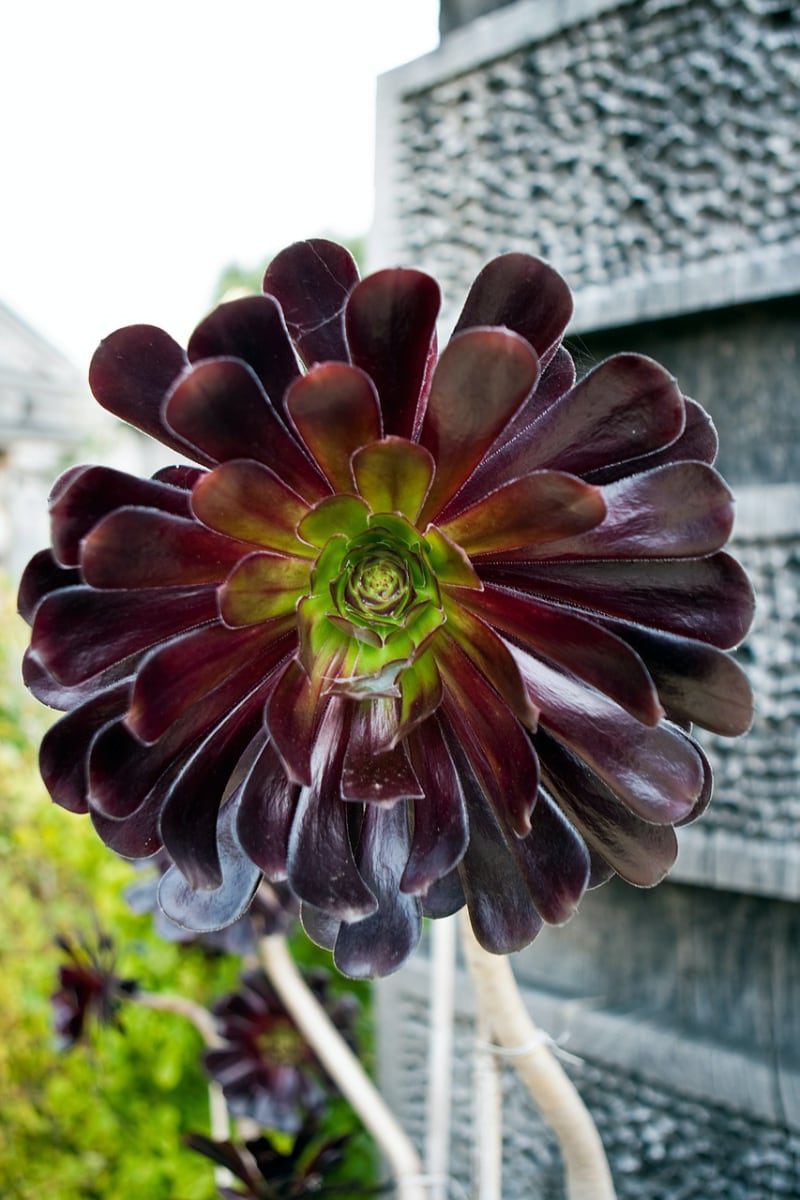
(649, 149)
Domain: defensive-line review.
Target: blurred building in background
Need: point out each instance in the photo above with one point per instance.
(650, 149)
(45, 413)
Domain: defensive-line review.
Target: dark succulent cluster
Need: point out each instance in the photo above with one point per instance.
(418, 630)
(88, 988)
(265, 1067)
(262, 1171)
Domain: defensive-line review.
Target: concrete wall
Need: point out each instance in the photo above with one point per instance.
(649, 149)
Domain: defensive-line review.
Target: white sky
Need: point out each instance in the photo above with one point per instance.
(145, 145)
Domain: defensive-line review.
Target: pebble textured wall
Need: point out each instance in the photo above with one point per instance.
(660, 1144)
(755, 779)
(668, 132)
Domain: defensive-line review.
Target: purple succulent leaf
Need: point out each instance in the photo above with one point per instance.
(179, 475)
(556, 379)
(66, 624)
(144, 548)
(697, 443)
(481, 379)
(320, 831)
(496, 746)
(390, 322)
(296, 708)
(375, 770)
(266, 810)
(681, 510)
(501, 912)
(444, 897)
(489, 656)
(334, 409)
(575, 642)
(533, 510)
(702, 801)
(193, 665)
(440, 819)
(199, 410)
(311, 281)
(626, 406)
(253, 330)
(191, 801)
(523, 294)
(122, 769)
(250, 502)
(636, 850)
(41, 577)
(130, 374)
(696, 682)
(380, 943)
(710, 598)
(138, 835)
(319, 926)
(553, 861)
(62, 754)
(652, 769)
(202, 910)
(96, 491)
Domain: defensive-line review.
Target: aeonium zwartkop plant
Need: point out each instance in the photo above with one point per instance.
(418, 631)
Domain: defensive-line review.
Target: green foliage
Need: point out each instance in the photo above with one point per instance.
(104, 1119)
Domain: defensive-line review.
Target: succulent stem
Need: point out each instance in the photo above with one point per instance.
(343, 1067)
(498, 999)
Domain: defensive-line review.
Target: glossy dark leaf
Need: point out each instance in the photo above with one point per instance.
(251, 329)
(696, 682)
(144, 548)
(652, 769)
(96, 491)
(524, 294)
(495, 744)
(480, 381)
(636, 850)
(130, 374)
(390, 323)
(576, 642)
(710, 599)
(64, 747)
(320, 833)
(380, 943)
(202, 910)
(311, 281)
(42, 576)
(66, 625)
(266, 811)
(440, 832)
(199, 410)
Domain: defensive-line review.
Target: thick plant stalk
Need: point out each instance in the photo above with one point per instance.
(497, 996)
(440, 1050)
(487, 1115)
(343, 1067)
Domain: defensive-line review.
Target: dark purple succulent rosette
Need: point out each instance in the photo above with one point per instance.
(265, 1066)
(88, 988)
(417, 632)
(262, 1171)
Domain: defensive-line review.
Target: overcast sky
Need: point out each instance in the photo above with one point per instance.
(145, 146)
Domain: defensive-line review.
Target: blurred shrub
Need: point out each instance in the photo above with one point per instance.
(106, 1119)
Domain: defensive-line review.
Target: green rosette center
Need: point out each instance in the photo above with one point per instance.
(374, 592)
